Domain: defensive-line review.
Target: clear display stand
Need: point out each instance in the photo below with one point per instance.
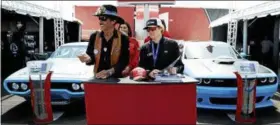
(40, 86)
(246, 73)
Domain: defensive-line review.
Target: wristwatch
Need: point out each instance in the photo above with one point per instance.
(88, 60)
(110, 71)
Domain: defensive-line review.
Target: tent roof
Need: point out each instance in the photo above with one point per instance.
(24, 8)
(259, 11)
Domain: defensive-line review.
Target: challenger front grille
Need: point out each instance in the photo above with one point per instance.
(230, 101)
(60, 102)
(68, 86)
(231, 83)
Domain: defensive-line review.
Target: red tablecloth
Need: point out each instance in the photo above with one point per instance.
(140, 103)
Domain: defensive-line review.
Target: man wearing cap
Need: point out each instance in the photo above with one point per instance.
(108, 48)
(160, 52)
(165, 32)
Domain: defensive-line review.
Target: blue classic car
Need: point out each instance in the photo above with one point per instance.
(68, 73)
(211, 63)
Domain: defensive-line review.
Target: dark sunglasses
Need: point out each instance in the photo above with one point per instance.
(102, 18)
(151, 29)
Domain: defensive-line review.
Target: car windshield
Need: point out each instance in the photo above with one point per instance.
(208, 51)
(68, 51)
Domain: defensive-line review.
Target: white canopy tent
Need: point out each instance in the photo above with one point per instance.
(27, 8)
(43, 9)
(57, 10)
(65, 8)
(258, 11)
(261, 10)
(24, 8)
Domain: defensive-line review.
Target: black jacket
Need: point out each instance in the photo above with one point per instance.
(168, 52)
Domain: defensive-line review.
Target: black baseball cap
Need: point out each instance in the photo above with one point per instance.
(153, 22)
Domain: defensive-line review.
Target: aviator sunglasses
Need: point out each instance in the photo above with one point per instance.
(102, 18)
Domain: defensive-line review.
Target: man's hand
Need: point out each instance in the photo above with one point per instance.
(125, 72)
(172, 70)
(153, 73)
(104, 74)
(84, 58)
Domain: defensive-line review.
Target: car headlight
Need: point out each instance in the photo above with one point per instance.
(206, 81)
(23, 86)
(15, 86)
(199, 81)
(263, 80)
(272, 79)
(82, 86)
(75, 86)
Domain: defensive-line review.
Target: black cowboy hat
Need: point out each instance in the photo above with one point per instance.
(110, 11)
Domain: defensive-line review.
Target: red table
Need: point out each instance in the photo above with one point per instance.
(123, 101)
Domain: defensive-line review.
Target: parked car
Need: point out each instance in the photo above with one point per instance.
(68, 73)
(211, 62)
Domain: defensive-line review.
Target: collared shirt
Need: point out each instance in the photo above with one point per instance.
(105, 57)
(106, 46)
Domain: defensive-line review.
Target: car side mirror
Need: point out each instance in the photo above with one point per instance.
(244, 55)
(43, 56)
(49, 54)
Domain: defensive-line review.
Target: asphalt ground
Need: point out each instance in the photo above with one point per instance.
(15, 110)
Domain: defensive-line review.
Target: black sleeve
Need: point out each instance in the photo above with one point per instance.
(90, 48)
(179, 65)
(143, 55)
(124, 56)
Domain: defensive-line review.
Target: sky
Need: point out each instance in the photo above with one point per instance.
(218, 4)
(67, 8)
(189, 4)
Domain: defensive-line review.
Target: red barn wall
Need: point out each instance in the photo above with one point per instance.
(188, 23)
(127, 13)
(184, 23)
(91, 23)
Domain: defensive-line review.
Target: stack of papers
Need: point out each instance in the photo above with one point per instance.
(169, 78)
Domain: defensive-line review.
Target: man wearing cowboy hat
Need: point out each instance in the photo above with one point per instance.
(160, 52)
(108, 48)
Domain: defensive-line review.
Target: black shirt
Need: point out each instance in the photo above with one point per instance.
(105, 57)
(168, 52)
(14, 51)
(105, 60)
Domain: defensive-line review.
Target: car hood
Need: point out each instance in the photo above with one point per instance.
(62, 68)
(214, 67)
